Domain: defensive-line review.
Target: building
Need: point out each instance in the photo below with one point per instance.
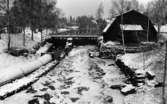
(136, 28)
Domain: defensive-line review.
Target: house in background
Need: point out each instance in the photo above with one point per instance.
(136, 28)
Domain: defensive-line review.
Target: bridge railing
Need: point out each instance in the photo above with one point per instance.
(80, 31)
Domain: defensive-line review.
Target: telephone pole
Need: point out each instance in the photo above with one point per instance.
(165, 66)
(164, 76)
(122, 22)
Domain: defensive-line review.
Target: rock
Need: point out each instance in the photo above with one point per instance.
(150, 75)
(68, 82)
(117, 87)
(31, 90)
(93, 53)
(128, 89)
(81, 89)
(43, 89)
(159, 84)
(74, 99)
(65, 92)
(51, 87)
(108, 99)
(33, 101)
(47, 96)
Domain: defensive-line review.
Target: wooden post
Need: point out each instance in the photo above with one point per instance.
(148, 29)
(164, 77)
(24, 37)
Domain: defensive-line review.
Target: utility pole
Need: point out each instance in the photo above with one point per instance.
(165, 66)
(8, 23)
(164, 77)
(122, 22)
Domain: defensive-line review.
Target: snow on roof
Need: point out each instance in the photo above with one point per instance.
(108, 25)
(129, 27)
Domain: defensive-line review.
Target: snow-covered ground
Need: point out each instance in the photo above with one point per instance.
(150, 61)
(7, 60)
(139, 60)
(79, 79)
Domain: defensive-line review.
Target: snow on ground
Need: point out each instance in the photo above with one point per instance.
(152, 61)
(79, 79)
(138, 60)
(17, 41)
(7, 60)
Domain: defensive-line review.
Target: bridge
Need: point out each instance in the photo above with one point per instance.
(85, 39)
(77, 37)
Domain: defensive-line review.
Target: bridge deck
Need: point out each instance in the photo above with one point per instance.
(75, 36)
(77, 39)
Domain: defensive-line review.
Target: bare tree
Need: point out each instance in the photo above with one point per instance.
(135, 5)
(2, 12)
(100, 11)
(116, 7)
(99, 16)
(2, 6)
(8, 23)
(157, 11)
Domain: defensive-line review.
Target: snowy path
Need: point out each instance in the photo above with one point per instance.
(78, 79)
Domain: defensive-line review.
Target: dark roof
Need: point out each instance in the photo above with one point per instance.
(132, 18)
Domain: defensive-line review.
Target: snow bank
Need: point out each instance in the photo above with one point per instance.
(19, 70)
(18, 84)
(138, 60)
(7, 60)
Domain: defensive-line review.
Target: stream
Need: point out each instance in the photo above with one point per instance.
(77, 79)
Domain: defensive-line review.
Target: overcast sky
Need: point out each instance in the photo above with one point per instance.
(86, 7)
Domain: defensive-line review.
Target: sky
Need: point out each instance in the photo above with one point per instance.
(86, 7)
